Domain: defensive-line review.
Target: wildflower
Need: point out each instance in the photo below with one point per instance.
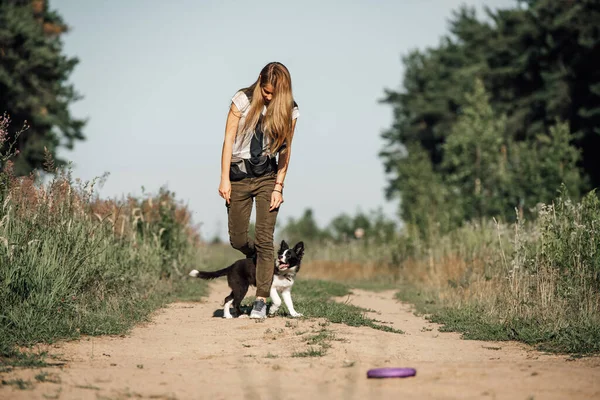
(4, 122)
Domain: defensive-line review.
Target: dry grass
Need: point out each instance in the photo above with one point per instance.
(537, 282)
(343, 271)
(76, 264)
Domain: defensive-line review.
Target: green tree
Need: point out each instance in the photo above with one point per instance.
(534, 59)
(475, 160)
(424, 198)
(542, 167)
(489, 174)
(33, 81)
(341, 228)
(376, 227)
(304, 228)
(540, 71)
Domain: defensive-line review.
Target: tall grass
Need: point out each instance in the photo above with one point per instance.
(72, 264)
(534, 281)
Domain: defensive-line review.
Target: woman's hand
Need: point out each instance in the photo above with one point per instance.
(276, 199)
(225, 190)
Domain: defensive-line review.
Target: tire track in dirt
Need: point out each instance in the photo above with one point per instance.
(188, 351)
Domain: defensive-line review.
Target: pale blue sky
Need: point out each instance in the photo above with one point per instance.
(157, 78)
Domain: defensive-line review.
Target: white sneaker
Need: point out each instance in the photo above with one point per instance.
(259, 310)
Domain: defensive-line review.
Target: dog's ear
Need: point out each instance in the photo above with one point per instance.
(299, 249)
(284, 245)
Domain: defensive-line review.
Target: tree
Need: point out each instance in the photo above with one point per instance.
(535, 62)
(33, 81)
(475, 160)
(304, 228)
(489, 174)
(424, 198)
(540, 71)
(376, 228)
(541, 167)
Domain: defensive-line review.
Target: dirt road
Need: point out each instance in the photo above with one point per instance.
(189, 352)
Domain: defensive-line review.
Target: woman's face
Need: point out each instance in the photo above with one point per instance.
(267, 92)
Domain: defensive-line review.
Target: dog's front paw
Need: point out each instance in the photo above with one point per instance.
(296, 315)
(243, 316)
(273, 310)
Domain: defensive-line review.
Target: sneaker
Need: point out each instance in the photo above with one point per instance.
(259, 310)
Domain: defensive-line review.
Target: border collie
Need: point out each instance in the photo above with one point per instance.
(242, 273)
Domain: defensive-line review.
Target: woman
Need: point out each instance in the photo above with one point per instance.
(260, 125)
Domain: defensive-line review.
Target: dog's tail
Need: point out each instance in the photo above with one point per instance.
(209, 274)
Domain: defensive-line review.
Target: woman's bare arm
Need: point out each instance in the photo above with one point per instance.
(231, 126)
(282, 167)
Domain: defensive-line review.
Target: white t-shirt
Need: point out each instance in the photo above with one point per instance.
(241, 145)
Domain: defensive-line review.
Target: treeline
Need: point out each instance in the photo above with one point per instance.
(493, 120)
(371, 227)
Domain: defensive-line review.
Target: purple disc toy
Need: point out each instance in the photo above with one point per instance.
(391, 372)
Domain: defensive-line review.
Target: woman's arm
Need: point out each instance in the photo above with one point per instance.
(231, 126)
(282, 167)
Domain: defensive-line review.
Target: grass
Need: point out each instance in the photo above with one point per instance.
(14, 357)
(90, 387)
(311, 352)
(535, 281)
(313, 299)
(322, 338)
(80, 265)
(19, 384)
(47, 377)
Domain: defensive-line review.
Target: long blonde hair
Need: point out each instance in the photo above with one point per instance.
(277, 122)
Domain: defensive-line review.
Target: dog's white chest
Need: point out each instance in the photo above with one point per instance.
(280, 282)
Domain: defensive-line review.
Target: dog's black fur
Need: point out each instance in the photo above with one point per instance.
(242, 273)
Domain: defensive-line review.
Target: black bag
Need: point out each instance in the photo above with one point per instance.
(252, 168)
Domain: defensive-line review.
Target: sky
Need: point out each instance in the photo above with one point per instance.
(157, 79)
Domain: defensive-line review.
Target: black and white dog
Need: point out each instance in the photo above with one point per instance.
(242, 273)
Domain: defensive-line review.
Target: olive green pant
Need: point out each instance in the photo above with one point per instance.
(243, 194)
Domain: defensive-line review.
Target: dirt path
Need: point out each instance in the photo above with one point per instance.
(189, 352)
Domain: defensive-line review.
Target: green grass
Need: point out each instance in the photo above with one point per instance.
(322, 338)
(47, 377)
(18, 383)
(13, 357)
(534, 281)
(90, 387)
(75, 265)
(313, 299)
(311, 352)
(474, 322)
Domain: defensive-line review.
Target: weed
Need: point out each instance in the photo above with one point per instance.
(90, 387)
(311, 352)
(19, 383)
(45, 376)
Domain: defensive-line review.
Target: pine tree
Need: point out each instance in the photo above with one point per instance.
(475, 159)
(541, 167)
(535, 61)
(33, 81)
(424, 198)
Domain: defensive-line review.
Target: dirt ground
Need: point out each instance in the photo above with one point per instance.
(189, 352)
